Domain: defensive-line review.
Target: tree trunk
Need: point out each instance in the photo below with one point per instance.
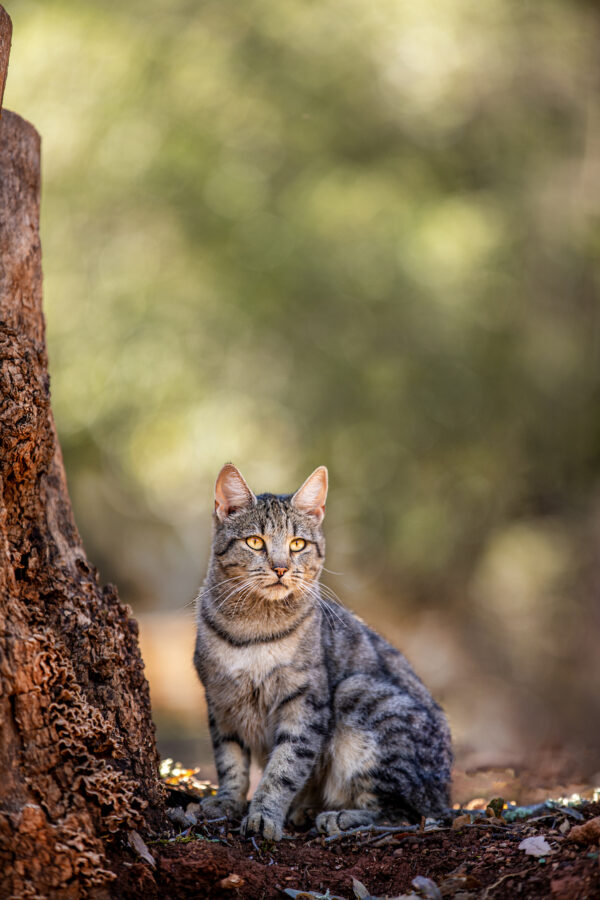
(77, 749)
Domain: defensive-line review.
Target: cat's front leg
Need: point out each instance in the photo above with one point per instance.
(302, 727)
(232, 759)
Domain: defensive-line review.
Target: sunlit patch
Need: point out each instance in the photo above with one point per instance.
(177, 776)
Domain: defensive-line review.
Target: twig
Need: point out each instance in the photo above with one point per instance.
(481, 823)
(361, 829)
(377, 839)
(380, 830)
(492, 887)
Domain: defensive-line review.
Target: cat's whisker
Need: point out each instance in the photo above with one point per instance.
(208, 587)
(329, 611)
(244, 590)
(232, 593)
(211, 589)
(241, 594)
(311, 591)
(331, 594)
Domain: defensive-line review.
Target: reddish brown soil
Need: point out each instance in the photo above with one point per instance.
(478, 861)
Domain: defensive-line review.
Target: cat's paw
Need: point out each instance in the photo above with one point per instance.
(259, 822)
(336, 820)
(217, 807)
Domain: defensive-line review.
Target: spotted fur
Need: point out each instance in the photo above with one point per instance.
(342, 726)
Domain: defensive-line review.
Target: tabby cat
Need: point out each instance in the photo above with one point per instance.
(337, 718)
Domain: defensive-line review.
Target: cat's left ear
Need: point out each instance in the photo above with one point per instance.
(310, 498)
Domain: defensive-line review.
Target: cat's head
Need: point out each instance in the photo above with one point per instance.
(268, 545)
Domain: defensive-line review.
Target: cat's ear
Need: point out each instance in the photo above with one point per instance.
(310, 498)
(231, 492)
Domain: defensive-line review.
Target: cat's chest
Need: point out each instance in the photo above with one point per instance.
(245, 686)
(249, 681)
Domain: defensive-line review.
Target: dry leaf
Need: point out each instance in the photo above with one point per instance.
(535, 846)
(140, 848)
(359, 889)
(461, 821)
(459, 882)
(426, 888)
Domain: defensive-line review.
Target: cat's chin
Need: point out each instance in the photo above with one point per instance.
(276, 591)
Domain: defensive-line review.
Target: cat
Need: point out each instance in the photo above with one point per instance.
(335, 715)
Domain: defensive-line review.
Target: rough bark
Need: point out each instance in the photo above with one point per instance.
(77, 749)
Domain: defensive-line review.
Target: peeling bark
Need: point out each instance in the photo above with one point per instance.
(77, 748)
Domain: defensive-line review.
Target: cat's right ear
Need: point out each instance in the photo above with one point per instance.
(231, 492)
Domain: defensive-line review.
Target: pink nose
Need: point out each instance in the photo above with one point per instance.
(280, 570)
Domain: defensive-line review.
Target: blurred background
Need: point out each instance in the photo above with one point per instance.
(364, 235)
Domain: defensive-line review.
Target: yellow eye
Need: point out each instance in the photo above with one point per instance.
(297, 544)
(255, 542)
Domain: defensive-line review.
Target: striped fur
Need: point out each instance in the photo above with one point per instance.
(341, 724)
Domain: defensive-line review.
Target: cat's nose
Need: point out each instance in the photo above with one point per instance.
(280, 570)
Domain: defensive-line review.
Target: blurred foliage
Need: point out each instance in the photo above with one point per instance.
(293, 233)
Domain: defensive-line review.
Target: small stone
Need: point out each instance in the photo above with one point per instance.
(588, 833)
(231, 882)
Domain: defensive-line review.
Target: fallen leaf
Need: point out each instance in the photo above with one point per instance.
(310, 895)
(359, 889)
(136, 841)
(426, 888)
(461, 821)
(192, 812)
(588, 833)
(459, 881)
(177, 815)
(535, 846)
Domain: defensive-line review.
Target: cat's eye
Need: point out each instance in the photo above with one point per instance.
(297, 544)
(256, 543)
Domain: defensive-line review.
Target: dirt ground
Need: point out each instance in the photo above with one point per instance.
(476, 857)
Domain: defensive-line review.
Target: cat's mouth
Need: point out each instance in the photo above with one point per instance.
(277, 584)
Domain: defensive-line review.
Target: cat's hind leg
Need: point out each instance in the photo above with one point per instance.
(390, 744)
(348, 795)
(333, 821)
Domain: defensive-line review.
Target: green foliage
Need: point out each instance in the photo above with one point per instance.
(298, 233)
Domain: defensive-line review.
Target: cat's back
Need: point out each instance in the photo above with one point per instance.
(357, 649)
